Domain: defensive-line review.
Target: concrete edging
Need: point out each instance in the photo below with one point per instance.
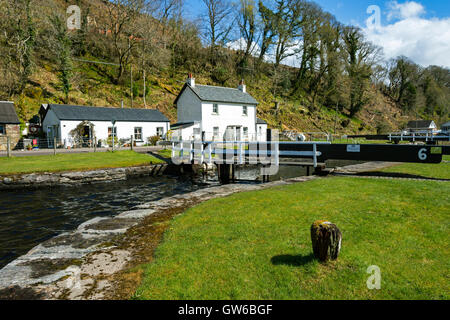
(48, 179)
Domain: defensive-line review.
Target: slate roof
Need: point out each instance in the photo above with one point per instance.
(447, 124)
(69, 112)
(8, 114)
(181, 125)
(419, 124)
(220, 94)
(260, 121)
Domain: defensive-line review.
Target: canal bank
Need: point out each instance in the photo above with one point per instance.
(88, 263)
(51, 179)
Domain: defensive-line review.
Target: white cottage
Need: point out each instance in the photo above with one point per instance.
(217, 113)
(61, 121)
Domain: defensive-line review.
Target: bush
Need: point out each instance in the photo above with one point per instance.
(383, 128)
(153, 140)
(116, 141)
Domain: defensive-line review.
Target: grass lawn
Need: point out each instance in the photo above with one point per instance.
(256, 245)
(441, 171)
(74, 162)
(166, 153)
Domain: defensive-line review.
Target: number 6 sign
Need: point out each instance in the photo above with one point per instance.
(423, 154)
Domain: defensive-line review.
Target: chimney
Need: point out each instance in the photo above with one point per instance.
(242, 86)
(191, 80)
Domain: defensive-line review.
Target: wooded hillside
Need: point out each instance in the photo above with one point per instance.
(148, 46)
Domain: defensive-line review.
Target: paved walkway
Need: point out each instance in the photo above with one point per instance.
(42, 152)
(372, 170)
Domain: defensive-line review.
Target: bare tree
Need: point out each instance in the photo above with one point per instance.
(122, 15)
(168, 9)
(17, 40)
(288, 21)
(217, 21)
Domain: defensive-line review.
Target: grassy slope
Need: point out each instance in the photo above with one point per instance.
(74, 162)
(257, 245)
(92, 88)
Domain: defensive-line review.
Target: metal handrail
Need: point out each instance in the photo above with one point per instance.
(194, 148)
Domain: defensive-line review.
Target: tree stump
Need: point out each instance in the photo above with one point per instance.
(326, 240)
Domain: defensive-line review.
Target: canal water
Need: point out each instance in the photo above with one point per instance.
(30, 217)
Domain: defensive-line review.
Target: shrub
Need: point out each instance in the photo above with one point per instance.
(153, 140)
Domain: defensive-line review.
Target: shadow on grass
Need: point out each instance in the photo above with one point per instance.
(398, 175)
(160, 157)
(291, 260)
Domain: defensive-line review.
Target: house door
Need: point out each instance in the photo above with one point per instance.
(233, 133)
(50, 136)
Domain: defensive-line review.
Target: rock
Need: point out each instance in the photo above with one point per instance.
(326, 240)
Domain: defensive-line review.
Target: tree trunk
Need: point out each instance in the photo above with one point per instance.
(326, 240)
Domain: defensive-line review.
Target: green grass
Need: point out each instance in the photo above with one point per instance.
(166, 153)
(440, 171)
(74, 162)
(256, 245)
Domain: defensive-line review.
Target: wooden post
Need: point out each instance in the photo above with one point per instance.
(8, 147)
(326, 240)
(54, 146)
(95, 144)
(131, 144)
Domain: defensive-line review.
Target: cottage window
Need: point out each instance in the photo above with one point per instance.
(2, 129)
(244, 110)
(138, 133)
(159, 131)
(110, 131)
(215, 108)
(245, 132)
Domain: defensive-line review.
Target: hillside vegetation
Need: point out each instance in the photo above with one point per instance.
(42, 62)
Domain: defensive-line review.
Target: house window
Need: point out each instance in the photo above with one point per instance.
(110, 132)
(138, 133)
(159, 131)
(244, 110)
(2, 129)
(245, 132)
(215, 108)
(216, 132)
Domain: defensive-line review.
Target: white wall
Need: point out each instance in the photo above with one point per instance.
(261, 132)
(51, 120)
(186, 134)
(192, 109)
(124, 129)
(188, 107)
(229, 115)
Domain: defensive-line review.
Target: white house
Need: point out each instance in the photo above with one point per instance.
(61, 122)
(446, 127)
(217, 113)
(421, 126)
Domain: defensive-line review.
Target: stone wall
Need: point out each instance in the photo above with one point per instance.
(13, 131)
(37, 180)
